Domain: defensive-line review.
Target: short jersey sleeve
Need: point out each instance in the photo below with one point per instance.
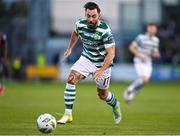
(108, 39)
(156, 46)
(76, 27)
(137, 40)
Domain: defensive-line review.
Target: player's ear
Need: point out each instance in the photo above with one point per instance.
(85, 13)
(99, 15)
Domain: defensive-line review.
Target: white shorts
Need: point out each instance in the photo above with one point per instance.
(87, 68)
(143, 68)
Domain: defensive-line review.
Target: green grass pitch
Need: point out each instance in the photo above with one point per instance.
(156, 110)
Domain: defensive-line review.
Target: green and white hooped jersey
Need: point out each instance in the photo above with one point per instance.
(146, 44)
(95, 41)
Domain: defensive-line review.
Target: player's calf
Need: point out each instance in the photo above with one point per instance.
(110, 99)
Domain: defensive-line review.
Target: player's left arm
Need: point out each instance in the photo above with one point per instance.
(155, 53)
(109, 45)
(109, 58)
(107, 62)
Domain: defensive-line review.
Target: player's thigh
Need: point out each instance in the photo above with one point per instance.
(75, 77)
(147, 73)
(143, 69)
(84, 66)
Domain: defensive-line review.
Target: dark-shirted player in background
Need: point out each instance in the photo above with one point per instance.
(144, 47)
(3, 59)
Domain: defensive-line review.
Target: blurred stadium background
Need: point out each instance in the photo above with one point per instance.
(38, 32)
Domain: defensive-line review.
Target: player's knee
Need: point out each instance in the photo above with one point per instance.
(72, 81)
(75, 77)
(145, 80)
(102, 94)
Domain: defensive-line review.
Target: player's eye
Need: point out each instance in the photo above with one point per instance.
(94, 16)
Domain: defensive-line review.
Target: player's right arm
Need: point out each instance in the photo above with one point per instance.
(133, 49)
(73, 40)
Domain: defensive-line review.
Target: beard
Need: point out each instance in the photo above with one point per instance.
(92, 25)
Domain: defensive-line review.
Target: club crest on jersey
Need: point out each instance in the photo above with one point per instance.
(96, 36)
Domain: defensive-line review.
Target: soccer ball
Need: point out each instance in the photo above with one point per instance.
(46, 123)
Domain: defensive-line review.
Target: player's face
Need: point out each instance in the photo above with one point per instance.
(92, 17)
(152, 30)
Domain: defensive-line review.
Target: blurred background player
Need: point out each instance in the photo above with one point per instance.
(96, 60)
(3, 59)
(144, 47)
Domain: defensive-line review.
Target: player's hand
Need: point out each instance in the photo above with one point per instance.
(66, 54)
(142, 57)
(98, 74)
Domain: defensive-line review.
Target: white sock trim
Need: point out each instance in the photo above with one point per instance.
(117, 104)
(68, 111)
(70, 86)
(137, 82)
(109, 96)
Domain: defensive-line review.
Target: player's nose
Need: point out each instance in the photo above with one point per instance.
(90, 20)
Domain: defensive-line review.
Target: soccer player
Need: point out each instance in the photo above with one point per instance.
(3, 59)
(96, 61)
(144, 47)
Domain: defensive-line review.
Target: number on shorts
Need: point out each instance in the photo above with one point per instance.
(106, 81)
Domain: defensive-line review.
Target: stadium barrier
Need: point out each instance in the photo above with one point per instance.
(47, 72)
(126, 72)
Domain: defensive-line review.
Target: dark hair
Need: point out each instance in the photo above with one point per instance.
(151, 24)
(92, 6)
